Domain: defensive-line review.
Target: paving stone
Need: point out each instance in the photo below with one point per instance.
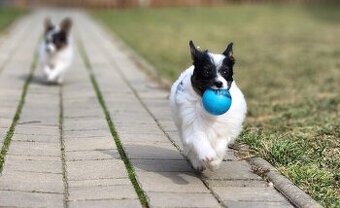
(2, 137)
(236, 183)
(37, 123)
(84, 124)
(28, 199)
(34, 164)
(7, 111)
(232, 170)
(161, 199)
(162, 165)
(43, 116)
(97, 127)
(168, 126)
(99, 182)
(152, 151)
(3, 130)
(24, 138)
(80, 94)
(97, 154)
(81, 115)
(82, 107)
(132, 130)
(157, 94)
(95, 169)
(87, 99)
(126, 203)
(171, 182)
(46, 121)
(252, 204)
(161, 114)
(41, 130)
(103, 192)
(50, 134)
(87, 133)
(145, 137)
(32, 182)
(136, 128)
(81, 144)
(128, 117)
(5, 122)
(259, 194)
(34, 149)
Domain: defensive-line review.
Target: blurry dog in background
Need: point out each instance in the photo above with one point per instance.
(56, 50)
(204, 136)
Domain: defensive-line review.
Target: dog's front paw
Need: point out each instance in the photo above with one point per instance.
(207, 156)
(198, 165)
(195, 162)
(214, 164)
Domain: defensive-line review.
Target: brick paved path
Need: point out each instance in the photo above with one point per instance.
(102, 137)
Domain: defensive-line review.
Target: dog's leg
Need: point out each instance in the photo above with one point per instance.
(57, 73)
(195, 162)
(47, 70)
(220, 149)
(200, 151)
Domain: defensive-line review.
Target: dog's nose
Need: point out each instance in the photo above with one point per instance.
(218, 84)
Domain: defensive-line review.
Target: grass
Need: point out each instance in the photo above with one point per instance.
(287, 65)
(8, 15)
(130, 170)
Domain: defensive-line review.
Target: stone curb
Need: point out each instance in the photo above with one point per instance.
(295, 195)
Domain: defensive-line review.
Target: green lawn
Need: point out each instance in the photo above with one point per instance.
(287, 64)
(7, 15)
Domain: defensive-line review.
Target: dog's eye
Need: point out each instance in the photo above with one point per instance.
(224, 72)
(206, 72)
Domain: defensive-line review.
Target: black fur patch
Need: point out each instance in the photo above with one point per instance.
(227, 71)
(205, 72)
(59, 40)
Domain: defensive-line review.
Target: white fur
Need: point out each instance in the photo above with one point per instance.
(205, 137)
(55, 63)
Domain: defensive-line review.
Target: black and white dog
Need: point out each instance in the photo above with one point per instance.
(56, 50)
(204, 136)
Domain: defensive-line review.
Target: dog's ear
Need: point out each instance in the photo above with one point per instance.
(195, 53)
(48, 25)
(228, 52)
(66, 25)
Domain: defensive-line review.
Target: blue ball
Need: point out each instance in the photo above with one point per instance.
(216, 102)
